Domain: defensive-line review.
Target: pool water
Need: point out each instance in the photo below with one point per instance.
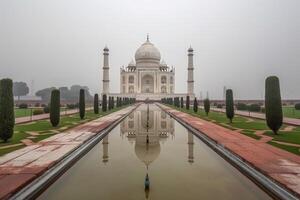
(148, 141)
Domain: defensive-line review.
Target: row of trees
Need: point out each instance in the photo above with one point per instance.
(273, 104)
(108, 104)
(68, 94)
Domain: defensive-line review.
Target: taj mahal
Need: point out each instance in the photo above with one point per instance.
(148, 77)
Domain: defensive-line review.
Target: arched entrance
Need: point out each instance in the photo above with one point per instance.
(147, 84)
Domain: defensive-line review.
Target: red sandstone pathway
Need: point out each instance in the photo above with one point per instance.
(281, 166)
(23, 166)
(286, 120)
(26, 119)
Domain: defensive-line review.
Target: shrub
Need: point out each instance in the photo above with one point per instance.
(37, 112)
(81, 104)
(37, 105)
(7, 116)
(195, 105)
(273, 104)
(297, 106)
(181, 102)
(241, 106)
(229, 105)
(46, 109)
(72, 106)
(96, 104)
(104, 103)
(263, 110)
(220, 106)
(187, 102)
(23, 106)
(206, 105)
(254, 108)
(55, 107)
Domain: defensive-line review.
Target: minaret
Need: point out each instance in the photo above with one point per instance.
(191, 147)
(190, 81)
(105, 149)
(105, 89)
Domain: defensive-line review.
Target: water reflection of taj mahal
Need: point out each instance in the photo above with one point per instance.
(147, 132)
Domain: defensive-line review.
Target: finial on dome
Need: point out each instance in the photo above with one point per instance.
(147, 37)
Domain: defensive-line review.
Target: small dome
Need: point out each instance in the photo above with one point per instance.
(131, 64)
(163, 64)
(190, 49)
(105, 48)
(147, 53)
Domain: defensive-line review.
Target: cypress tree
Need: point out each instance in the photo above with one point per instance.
(229, 105)
(55, 107)
(7, 116)
(112, 102)
(181, 102)
(273, 104)
(81, 104)
(96, 104)
(187, 102)
(206, 106)
(104, 103)
(195, 105)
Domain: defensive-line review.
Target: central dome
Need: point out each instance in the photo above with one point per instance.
(147, 53)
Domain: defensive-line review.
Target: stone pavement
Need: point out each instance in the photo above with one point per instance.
(22, 166)
(286, 120)
(20, 120)
(281, 166)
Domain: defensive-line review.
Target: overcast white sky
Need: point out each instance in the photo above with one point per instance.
(237, 43)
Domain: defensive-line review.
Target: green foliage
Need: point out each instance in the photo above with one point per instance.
(219, 106)
(46, 109)
(96, 104)
(81, 103)
(195, 107)
(273, 105)
(55, 107)
(206, 106)
(38, 111)
(229, 105)
(181, 102)
(187, 102)
(254, 107)
(7, 118)
(297, 106)
(20, 89)
(23, 106)
(104, 103)
(241, 106)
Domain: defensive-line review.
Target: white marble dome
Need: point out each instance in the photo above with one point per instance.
(147, 53)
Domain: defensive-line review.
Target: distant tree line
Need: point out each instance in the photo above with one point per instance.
(68, 94)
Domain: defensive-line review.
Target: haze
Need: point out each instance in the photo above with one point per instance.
(237, 43)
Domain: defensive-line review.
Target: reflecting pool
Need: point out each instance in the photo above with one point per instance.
(149, 142)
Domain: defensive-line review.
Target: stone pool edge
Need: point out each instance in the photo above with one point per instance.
(40, 183)
(274, 189)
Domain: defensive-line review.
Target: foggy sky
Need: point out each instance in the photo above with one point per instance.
(237, 43)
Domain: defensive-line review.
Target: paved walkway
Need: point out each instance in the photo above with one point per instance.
(20, 120)
(23, 166)
(286, 120)
(280, 165)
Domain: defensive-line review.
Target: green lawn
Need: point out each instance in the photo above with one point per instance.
(45, 129)
(290, 111)
(22, 112)
(249, 127)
